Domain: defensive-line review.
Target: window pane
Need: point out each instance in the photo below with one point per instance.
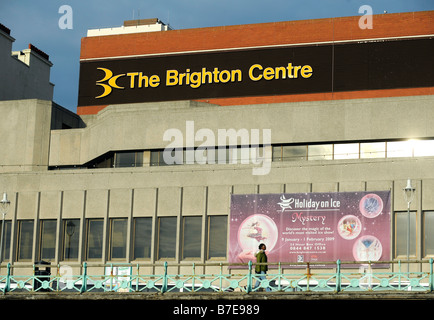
(71, 238)
(118, 238)
(25, 240)
(222, 155)
(48, 239)
(373, 150)
(154, 158)
(399, 149)
(171, 157)
(95, 228)
(320, 152)
(125, 159)
(217, 236)
(259, 154)
(240, 154)
(234, 155)
(142, 238)
(167, 237)
(294, 153)
(423, 148)
(106, 162)
(346, 151)
(277, 153)
(428, 234)
(188, 155)
(192, 237)
(6, 240)
(139, 159)
(401, 233)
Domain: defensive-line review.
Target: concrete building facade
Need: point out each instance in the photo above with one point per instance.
(102, 191)
(28, 71)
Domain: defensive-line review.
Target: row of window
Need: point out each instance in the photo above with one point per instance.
(234, 155)
(141, 244)
(364, 150)
(419, 235)
(191, 244)
(415, 231)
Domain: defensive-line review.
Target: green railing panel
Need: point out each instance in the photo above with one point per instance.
(230, 278)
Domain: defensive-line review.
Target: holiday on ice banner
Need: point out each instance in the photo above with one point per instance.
(311, 227)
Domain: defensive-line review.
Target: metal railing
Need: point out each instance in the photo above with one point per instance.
(333, 277)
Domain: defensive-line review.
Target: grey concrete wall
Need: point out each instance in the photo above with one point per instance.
(202, 189)
(25, 135)
(25, 74)
(142, 126)
(175, 191)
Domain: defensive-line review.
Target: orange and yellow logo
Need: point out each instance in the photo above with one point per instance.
(111, 80)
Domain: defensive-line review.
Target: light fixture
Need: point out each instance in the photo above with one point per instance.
(4, 204)
(409, 192)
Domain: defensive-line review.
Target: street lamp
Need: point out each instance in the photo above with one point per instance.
(4, 207)
(70, 230)
(409, 192)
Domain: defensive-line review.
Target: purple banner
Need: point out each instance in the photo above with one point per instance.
(311, 227)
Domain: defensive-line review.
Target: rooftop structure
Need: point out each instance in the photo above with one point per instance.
(25, 73)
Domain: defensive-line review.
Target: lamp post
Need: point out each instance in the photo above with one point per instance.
(4, 207)
(409, 192)
(70, 230)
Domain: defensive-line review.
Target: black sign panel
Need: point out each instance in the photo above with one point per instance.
(258, 72)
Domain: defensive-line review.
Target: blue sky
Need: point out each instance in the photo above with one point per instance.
(36, 22)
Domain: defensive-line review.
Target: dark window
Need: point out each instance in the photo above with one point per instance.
(142, 238)
(167, 237)
(192, 236)
(118, 238)
(47, 239)
(94, 238)
(217, 236)
(25, 240)
(71, 239)
(6, 240)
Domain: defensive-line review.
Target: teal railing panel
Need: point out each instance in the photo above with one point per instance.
(330, 277)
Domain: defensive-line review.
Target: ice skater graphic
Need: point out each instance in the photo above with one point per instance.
(255, 232)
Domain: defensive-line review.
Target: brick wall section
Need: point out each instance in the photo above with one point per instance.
(264, 34)
(83, 110)
(321, 96)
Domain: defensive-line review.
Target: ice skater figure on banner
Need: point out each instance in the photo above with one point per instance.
(255, 232)
(255, 229)
(350, 226)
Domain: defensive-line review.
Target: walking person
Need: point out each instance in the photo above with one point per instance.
(261, 257)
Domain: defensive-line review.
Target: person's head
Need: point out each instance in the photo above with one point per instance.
(262, 246)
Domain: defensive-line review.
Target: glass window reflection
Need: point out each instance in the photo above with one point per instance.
(118, 238)
(192, 237)
(217, 236)
(71, 239)
(346, 151)
(397, 149)
(167, 237)
(142, 238)
(320, 152)
(371, 150)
